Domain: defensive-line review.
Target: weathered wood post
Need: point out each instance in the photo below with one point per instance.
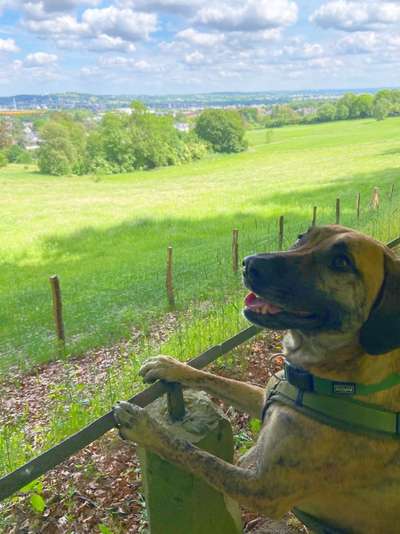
(177, 501)
(235, 250)
(358, 205)
(375, 199)
(169, 278)
(281, 232)
(57, 310)
(338, 211)
(314, 216)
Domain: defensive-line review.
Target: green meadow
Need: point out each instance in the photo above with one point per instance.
(106, 237)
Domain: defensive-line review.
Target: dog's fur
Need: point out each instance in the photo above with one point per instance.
(350, 481)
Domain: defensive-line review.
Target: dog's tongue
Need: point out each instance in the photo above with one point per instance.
(254, 302)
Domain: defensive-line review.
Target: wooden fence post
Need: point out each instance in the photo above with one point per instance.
(375, 200)
(314, 216)
(177, 501)
(235, 250)
(281, 232)
(338, 211)
(391, 193)
(358, 205)
(57, 309)
(169, 279)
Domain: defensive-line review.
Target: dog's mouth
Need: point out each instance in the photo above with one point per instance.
(265, 313)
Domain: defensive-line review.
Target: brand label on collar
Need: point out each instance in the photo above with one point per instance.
(344, 388)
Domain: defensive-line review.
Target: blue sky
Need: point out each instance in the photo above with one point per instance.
(189, 46)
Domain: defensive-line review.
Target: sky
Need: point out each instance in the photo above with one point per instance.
(191, 46)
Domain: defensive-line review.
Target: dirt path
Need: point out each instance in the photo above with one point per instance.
(100, 488)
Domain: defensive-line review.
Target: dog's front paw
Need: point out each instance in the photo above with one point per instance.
(132, 421)
(164, 368)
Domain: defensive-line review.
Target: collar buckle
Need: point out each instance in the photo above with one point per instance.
(298, 377)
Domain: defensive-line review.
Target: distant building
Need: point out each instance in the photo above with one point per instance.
(182, 126)
(31, 139)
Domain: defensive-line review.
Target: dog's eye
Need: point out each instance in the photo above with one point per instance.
(342, 263)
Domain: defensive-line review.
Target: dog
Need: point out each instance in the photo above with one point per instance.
(337, 294)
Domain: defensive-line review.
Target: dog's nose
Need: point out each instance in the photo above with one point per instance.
(261, 268)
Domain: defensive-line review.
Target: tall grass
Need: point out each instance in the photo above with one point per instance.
(107, 239)
(202, 325)
(112, 272)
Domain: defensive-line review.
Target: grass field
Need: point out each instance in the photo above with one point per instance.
(106, 237)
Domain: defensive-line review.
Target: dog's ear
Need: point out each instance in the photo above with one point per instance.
(381, 332)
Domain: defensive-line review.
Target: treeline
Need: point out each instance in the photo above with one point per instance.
(141, 140)
(385, 103)
(12, 143)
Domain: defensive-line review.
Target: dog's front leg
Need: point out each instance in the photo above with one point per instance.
(244, 397)
(246, 486)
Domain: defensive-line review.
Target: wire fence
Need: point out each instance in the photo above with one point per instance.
(101, 308)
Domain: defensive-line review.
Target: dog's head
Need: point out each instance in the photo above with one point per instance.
(334, 283)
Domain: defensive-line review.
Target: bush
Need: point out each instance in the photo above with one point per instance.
(53, 161)
(63, 146)
(17, 154)
(223, 130)
(3, 159)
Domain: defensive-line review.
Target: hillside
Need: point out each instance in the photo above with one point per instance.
(106, 237)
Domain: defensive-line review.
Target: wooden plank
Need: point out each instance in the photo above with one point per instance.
(281, 232)
(314, 216)
(235, 250)
(338, 211)
(169, 278)
(394, 243)
(176, 402)
(38, 466)
(57, 308)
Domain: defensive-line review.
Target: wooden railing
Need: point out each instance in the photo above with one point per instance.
(38, 466)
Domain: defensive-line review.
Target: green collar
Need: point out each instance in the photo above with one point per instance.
(332, 403)
(308, 382)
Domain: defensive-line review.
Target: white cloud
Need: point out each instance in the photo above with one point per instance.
(42, 9)
(250, 15)
(302, 50)
(359, 43)
(8, 45)
(108, 29)
(194, 58)
(39, 59)
(58, 26)
(356, 16)
(325, 63)
(179, 7)
(200, 38)
(140, 65)
(104, 43)
(124, 23)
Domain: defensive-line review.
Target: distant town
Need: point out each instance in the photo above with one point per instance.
(191, 102)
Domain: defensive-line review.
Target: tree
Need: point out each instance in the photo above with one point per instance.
(327, 112)
(363, 106)
(5, 134)
(3, 159)
(143, 140)
(342, 111)
(222, 129)
(282, 115)
(381, 109)
(63, 146)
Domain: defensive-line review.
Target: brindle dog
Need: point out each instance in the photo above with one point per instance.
(337, 292)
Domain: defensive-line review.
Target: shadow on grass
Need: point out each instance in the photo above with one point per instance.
(391, 152)
(114, 278)
(325, 195)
